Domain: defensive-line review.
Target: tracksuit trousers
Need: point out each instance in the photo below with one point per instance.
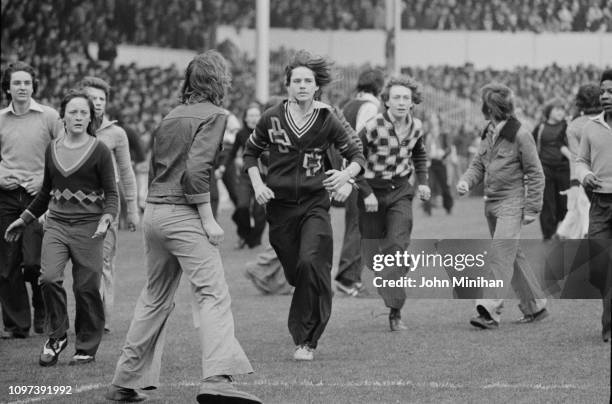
(350, 266)
(301, 235)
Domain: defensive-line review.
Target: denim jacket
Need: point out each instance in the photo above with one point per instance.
(509, 166)
(184, 148)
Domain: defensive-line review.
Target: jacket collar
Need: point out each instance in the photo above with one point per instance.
(105, 123)
(508, 131)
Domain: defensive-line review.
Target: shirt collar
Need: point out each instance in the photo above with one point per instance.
(34, 106)
(601, 119)
(395, 121)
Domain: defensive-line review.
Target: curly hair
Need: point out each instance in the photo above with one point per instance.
(95, 82)
(207, 78)
(587, 99)
(404, 81)
(497, 101)
(79, 93)
(320, 66)
(14, 67)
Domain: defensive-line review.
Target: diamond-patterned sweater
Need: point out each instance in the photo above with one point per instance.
(80, 193)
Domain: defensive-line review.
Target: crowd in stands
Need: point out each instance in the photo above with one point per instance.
(58, 52)
(34, 27)
(533, 87)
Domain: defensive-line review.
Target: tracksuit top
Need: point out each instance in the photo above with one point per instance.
(297, 161)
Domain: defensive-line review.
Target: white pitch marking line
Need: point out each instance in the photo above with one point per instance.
(364, 383)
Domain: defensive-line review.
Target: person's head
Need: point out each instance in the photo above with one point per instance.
(19, 82)
(554, 110)
(78, 113)
(252, 114)
(207, 78)
(306, 75)
(371, 81)
(587, 99)
(497, 102)
(400, 94)
(99, 91)
(605, 91)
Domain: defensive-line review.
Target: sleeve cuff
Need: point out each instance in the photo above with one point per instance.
(27, 217)
(197, 199)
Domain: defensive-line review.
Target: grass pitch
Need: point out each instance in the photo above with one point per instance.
(440, 359)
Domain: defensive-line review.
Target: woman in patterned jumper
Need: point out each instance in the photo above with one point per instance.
(80, 192)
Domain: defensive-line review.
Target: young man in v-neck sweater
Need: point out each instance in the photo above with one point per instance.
(297, 133)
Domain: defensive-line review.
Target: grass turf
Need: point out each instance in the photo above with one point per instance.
(440, 359)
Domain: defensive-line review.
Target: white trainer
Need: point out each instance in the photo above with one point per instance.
(303, 353)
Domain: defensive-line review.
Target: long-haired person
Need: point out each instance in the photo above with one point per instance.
(182, 236)
(507, 161)
(80, 193)
(297, 133)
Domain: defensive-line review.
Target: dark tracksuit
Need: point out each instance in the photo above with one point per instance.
(246, 205)
(300, 228)
(387, 175)
(549, 140)
(350, 267)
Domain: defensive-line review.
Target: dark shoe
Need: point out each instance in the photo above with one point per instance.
(81, 358)
(51, 350)
(395, 321)
(39, 323)
(13, 335)
(484, 323)
(116, 393)
(530, 318)
(605, 335)
(219, 389)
